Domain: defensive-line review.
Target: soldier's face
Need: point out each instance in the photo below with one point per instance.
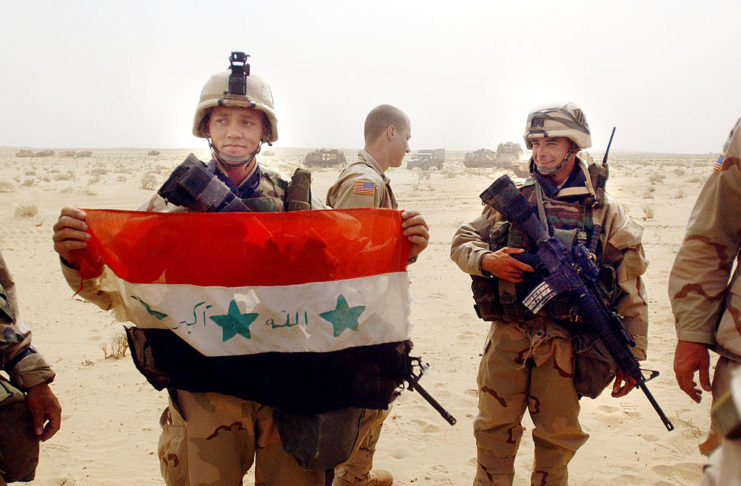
(549, 152)
(400, 144)
(235, 131)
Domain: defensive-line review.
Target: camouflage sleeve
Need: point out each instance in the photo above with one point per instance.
(25, 366)
(699, 278)
(471, 242)
(624, 250)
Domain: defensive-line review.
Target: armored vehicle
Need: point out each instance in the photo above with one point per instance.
(324, 158)
(480, 158)
(508, 154)
(426, 159)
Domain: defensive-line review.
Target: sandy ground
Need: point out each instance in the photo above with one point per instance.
(109, 429)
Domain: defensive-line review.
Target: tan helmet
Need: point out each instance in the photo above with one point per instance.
(558, 121)
(216, 92)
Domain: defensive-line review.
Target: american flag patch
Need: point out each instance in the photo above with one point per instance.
(364, 188)
(718, 164)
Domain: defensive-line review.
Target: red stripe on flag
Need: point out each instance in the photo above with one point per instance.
(240, 249)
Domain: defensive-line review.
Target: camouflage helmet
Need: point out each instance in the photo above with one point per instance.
(558, 121)
(218, 92)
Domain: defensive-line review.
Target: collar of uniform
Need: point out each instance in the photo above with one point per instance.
(368, 160)
(578, 183)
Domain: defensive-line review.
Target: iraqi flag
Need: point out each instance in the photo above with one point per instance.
(306, 311)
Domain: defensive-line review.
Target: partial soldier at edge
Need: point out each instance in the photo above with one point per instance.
(29, 410)
(705, 296)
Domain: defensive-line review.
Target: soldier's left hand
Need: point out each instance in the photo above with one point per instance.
(415, 229)
(623, 384)
(46, 412)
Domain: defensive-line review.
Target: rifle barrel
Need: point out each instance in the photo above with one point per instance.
(414, 385)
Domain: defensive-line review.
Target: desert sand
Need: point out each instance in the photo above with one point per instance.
(110, 415)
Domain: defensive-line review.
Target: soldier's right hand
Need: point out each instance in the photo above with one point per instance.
(688, 358)
(70, 233)
(500, 264)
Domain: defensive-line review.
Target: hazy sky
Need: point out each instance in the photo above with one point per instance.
(128, 73)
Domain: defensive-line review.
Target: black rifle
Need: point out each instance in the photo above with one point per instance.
(569, 271)
(414, 385)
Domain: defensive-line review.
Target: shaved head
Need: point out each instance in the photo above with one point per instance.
(380, 118)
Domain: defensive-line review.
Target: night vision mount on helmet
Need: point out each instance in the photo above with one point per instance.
(236, 87)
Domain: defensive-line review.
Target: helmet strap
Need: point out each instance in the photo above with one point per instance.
(230, 160)
(572, 151)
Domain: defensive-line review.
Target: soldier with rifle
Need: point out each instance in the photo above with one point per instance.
(535, 355)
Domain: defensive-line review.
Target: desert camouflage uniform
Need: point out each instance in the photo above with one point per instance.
(344, 194)
(706, 304)
(529, 363)
(26, 368)
(211, 438)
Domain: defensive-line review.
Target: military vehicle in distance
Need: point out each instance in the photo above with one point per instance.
(507, 155)
(324, 158)
(480, 158)
(426, 159)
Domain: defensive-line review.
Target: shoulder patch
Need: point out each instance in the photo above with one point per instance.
(364, 188)
(719, 163)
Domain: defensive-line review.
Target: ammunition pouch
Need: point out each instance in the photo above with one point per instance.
(594, 366)
(191, 185)
(298, 194)
(19, 446)
(486, 298)
(319, 441)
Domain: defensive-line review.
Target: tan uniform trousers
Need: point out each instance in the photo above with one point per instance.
(356, 471)
(526, 366)
(213, 439)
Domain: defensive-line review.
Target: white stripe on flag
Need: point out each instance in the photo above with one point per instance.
(227, 321)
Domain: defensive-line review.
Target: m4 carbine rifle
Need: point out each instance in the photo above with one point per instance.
(569, 271)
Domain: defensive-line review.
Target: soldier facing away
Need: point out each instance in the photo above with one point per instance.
(528, 359)
(705, 297)
(214, 438)
(364, 184)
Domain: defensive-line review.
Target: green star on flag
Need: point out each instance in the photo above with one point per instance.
(343, 316)
(234, 322)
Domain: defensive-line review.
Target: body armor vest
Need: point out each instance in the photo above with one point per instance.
(570, 220)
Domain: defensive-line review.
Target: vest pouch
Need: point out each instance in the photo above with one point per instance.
(566, 237)
(607, 285)
(594, 366)
(298, 194)
(19, 446)
(319, 441)
(486, 297)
